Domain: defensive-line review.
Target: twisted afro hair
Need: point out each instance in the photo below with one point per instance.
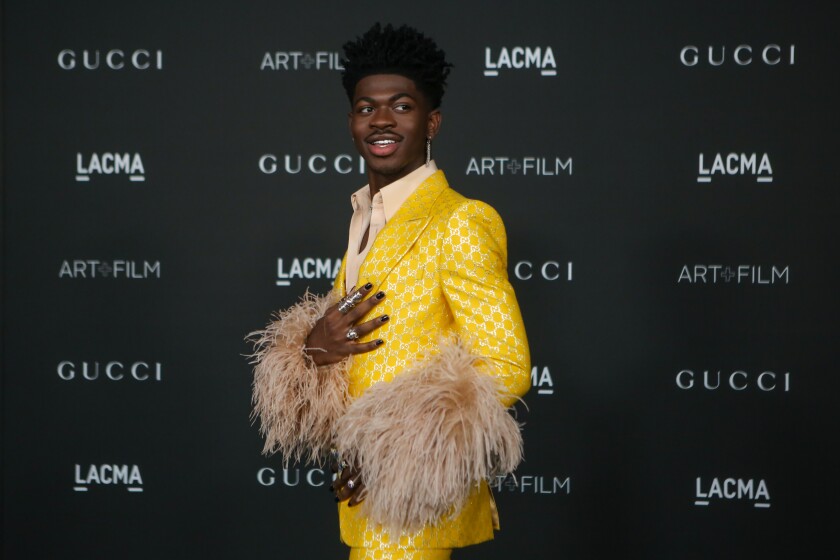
(404, 51)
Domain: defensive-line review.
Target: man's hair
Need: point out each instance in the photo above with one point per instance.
(404, 51)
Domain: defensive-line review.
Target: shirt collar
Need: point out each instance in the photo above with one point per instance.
(397, 192)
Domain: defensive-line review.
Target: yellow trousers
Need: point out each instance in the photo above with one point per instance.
(400, 554)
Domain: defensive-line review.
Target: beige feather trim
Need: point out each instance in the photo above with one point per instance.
(427, 438)
(297, 402)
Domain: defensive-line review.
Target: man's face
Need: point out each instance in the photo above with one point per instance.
(390, 120)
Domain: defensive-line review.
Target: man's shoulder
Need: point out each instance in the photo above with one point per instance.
(455, 205)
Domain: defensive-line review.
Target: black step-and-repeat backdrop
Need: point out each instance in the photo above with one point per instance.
(174, 172)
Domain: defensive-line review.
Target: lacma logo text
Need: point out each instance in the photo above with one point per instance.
(308, 268)
(520, 58)
(109, 163)
(733, 164)
(542, 380)
(127, 476)
(732, 489)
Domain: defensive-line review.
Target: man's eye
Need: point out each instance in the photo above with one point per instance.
(365, 109)
(403, 107)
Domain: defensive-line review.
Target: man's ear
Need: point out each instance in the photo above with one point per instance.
(433, 125)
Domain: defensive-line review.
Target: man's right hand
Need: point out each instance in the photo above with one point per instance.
(327, 343)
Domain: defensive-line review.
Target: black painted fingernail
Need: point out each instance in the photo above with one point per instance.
(380, 295)
(380, 342)
(384, 318)
(368, 286)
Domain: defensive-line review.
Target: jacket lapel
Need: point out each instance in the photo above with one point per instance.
(401, 231)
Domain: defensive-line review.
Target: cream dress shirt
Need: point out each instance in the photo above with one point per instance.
(374, 214)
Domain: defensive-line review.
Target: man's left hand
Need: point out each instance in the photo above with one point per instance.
(349, 485)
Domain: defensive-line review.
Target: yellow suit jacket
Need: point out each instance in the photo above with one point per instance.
(442, 262)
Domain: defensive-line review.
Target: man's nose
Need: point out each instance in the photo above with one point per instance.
(383, 118)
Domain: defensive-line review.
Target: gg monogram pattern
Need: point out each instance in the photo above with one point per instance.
(400, 554)
(442, 263)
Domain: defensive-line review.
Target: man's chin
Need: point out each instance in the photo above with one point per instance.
(384, 168)
(390, 169)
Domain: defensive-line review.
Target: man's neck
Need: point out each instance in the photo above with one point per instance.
(377, 182)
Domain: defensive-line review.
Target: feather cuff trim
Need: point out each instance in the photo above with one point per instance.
(425, 439)
(297, 402)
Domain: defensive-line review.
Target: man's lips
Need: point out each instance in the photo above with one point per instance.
(383, 146)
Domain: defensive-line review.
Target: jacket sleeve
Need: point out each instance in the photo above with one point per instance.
(473, 270)
(296, 402)
(425, 439)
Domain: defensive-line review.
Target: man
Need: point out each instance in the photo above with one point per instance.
(409, 374)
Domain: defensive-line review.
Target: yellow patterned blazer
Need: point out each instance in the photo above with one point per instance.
(442, 262)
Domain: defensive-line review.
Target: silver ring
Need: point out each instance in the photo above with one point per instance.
(351, 484)
(349, 303)
(352, 334)
(345, 306)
